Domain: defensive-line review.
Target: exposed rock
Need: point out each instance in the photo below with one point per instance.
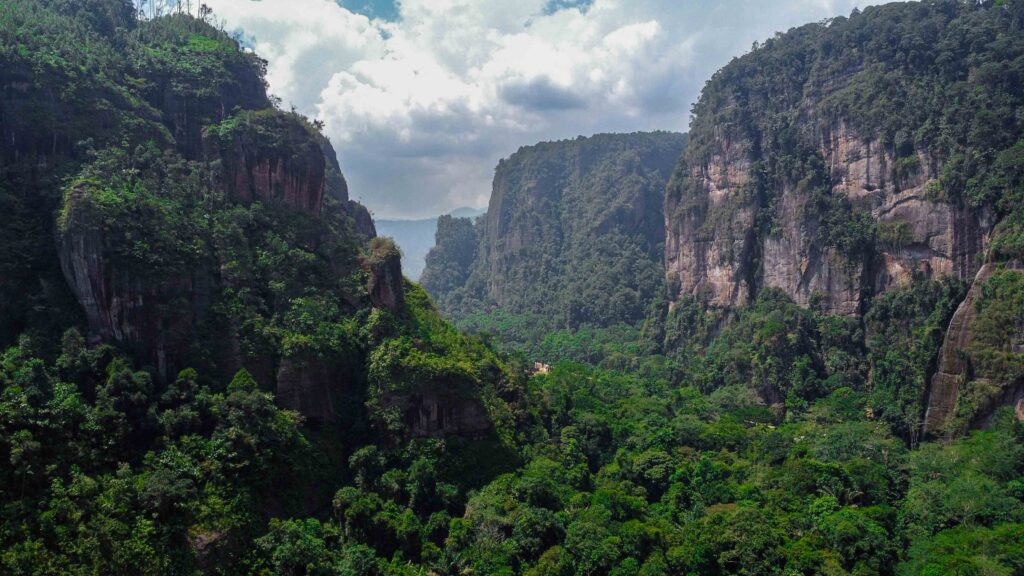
(436, 413)
(186, 108)
(310, 387)
(289, 168)
(954, 367)
(952, 363)
(362, 219)
(795, 261)
(120, 307)
(384, 269)
(719, 249)
(449, 262)
(336, 187)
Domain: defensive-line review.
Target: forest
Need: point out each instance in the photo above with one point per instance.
(210, 363)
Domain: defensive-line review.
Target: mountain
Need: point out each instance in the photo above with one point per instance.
(572, 236)
(844, 161)
(198, 325)
(416, 237)
(210, 363)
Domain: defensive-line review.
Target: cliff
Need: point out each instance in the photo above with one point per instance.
(271, 157)
(981, 363)
(179, 217)
(787, 184)
(845, 159)
(449, 262)
(572, 236)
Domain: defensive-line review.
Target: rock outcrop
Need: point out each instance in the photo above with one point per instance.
(726, 240)
(288, 167)
(186, 105)
(336, 188)
(130, 205)
(963, 362)
(953, 366)
(449, 262)
(837, 170)
(120, 306)
(798, 178)
(384, 275)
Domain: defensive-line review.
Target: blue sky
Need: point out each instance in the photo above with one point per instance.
(422, 97)
(386, 9)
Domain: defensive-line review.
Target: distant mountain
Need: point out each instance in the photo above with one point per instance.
(573, 235)
(416, 238)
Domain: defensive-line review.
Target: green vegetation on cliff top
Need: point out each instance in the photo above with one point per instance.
(780, 442)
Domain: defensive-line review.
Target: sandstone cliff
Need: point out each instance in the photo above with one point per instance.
(271, 157)
(836, 170)
(200, 227)
(981, 363)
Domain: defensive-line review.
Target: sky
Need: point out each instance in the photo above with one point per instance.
(421, 98)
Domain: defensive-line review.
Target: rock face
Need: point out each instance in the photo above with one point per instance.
(795, 180)
(450, 260)
(310, 387)
(953, 366)
(824, 166)
(433, 414)
(384, 269)
(120, 306)
(573, 233)
(966, 362)
(917, 234)
(129, 211)
(336, 188)
(720, 250)
(288, 169)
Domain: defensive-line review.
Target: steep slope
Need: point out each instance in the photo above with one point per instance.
(197, 327)
(449, 262)
(196, 225)
(572, 236)
(416, 237)
(842, 160)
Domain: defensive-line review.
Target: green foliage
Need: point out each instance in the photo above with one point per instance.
(573, 237)
(932, 87)
(449, 262)
(769, 441)
(997, 333)
(993, 350)
(905, 329)
(894, 234)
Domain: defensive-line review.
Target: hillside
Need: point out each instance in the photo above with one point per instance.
(572, 236)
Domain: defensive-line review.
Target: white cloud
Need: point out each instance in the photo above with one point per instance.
(420, 109)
